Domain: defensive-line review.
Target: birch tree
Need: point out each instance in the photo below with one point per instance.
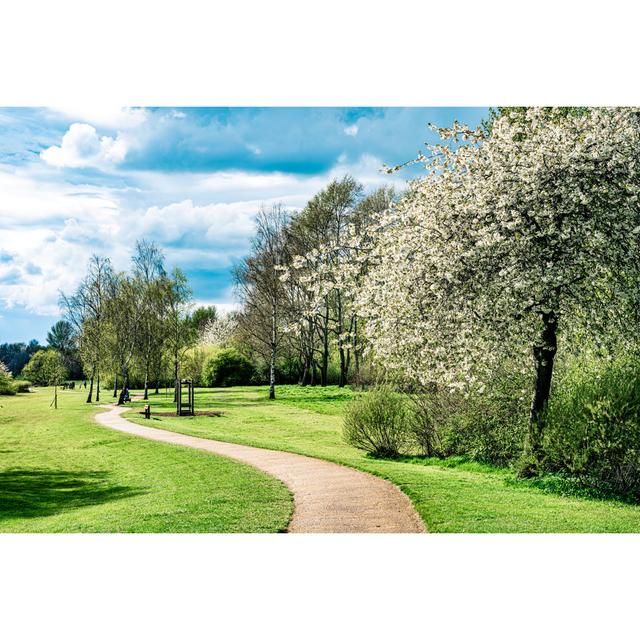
(258, 284)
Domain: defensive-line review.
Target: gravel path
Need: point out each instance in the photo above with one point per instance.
(328, 498)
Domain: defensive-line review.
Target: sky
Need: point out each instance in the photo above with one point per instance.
(76, 181)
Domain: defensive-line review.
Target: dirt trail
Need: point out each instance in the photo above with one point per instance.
(328, 498)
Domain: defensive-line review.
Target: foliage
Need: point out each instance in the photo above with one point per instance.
(509, 237)
(203, 316)
(22, 386)
(61, 337)
(378, 422)
(46, 368)
(16, 354)
(219, 330)
(490, 427)
(593, 425)
(227, 368)
(7, 386)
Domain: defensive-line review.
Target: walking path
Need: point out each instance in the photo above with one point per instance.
(328, 498)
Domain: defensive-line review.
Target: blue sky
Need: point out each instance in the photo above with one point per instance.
(77, 181)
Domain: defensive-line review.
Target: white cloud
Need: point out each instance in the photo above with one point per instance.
(351, 130)
(222, 307)
(118, 118)
(31, 197)
(81, 147)
(49, 227)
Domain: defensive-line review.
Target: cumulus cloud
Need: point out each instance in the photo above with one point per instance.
(351, 130)
(82, 147)
(221, 226)
(109, 117)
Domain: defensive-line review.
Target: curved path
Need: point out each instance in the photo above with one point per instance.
(328, 498)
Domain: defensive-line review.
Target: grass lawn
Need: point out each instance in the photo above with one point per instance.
(460, 498)
(62, 472)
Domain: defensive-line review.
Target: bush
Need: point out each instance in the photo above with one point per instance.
(593, 426)
(227, 368)
(22, 386)
(488, 427)
(379, 423)
(7, 387)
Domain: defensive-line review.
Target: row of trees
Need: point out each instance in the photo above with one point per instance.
(136, 323)
(298, 304)
(523, 234)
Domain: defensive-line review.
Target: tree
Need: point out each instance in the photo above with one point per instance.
(258, 284)
(16, 355)
(320, 240)
(219, 332)
(86, 310)
(63, 337)
(203, 316)
(46, 368)
(148, 272)
(123, 312)
(6, 380)
(180, 334)
(500, 245)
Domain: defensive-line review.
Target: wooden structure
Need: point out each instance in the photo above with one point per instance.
(185, 406)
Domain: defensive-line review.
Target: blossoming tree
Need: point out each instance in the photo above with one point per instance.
(502, 244)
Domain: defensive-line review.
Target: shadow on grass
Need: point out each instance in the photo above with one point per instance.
(32, 493)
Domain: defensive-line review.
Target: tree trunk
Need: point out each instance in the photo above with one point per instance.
(157, 385)
(272, 376)
(175, 379)
(343, 368)
(272, 362)
(305, 372)
(543, 354)
(90, 396)
(98, 387)
(125, 388)
(356, 354)
(146, 385)
(115, 385)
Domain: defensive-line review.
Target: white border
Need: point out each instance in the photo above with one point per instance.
(311, 53)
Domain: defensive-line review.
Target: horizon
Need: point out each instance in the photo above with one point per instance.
(78, 182)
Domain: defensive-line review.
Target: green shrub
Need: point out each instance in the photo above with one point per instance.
(379, 423)
(7, 386)
(22, 386)
(593, 426)
(488, 427)
(227, 368)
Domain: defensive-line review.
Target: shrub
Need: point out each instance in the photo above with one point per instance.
(430, 410)
(379, 423)
(593, 426)
(488, 427)
(227, 368)
(7, 387)
(22, 386)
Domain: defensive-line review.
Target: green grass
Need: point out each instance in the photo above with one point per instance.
(62, 472)
(451, 496)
